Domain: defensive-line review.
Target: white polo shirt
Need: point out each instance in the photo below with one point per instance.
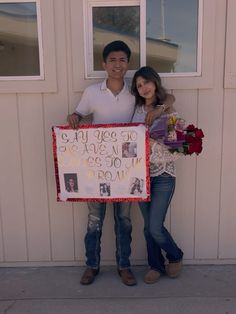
(98, 100)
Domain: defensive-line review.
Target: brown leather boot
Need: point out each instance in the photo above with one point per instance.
(151, 276)
(89, 276)
(127, 277)
(173, 269)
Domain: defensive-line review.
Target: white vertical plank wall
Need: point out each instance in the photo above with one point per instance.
(34, 176)
(11, 183)
(210, 111)
(35, 229)
(227, 236)
(183, 204)
(55, 112)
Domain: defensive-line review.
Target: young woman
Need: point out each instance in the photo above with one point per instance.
(71, 186)
(149, 93)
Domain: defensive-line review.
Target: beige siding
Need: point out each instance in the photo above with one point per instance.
(230, 64)
(35, 229)
(31, 134)
(227, 233)
(210, 109)
(183, 204)
(12, 189)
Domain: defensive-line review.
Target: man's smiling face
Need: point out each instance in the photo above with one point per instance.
(116, 64)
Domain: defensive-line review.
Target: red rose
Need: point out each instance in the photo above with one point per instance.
(190, 128)
(189, 138)
(195, 147)
(199, 133)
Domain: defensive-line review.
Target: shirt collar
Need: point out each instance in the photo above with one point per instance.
(104, 86)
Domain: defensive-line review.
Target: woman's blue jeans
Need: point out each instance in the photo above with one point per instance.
(123, 229)
(156, 235)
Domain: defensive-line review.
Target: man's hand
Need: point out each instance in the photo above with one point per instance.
(170, 99)
(167, 107)
(73, 120)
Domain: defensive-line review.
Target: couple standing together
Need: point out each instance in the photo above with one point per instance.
(112, 102)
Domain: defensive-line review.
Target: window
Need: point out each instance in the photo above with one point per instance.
(165, 34)
(116, 23)
(27, 46)
(172, 35)
(20, 40)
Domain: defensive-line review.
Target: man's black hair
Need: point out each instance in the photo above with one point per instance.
(116, 45)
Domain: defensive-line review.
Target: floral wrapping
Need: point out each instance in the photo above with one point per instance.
(172, 132)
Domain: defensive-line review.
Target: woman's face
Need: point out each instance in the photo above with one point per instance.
(71, 182)
(145, 88)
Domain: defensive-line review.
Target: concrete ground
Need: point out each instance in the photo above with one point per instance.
(199, 290)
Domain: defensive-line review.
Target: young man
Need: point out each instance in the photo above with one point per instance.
(110, 102)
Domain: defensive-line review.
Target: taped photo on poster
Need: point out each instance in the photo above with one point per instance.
(102, 162)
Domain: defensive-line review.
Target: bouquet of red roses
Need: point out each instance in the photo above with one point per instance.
(171, 130)
(188, 141)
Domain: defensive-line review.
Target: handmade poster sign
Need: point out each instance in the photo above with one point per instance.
(102, 162)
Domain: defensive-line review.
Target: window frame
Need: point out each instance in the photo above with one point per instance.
(88, 32)
(88, 35)
(40, 45)
(207, 51)
(46, 80)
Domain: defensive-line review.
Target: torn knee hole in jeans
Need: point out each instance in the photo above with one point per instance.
(94, 223)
